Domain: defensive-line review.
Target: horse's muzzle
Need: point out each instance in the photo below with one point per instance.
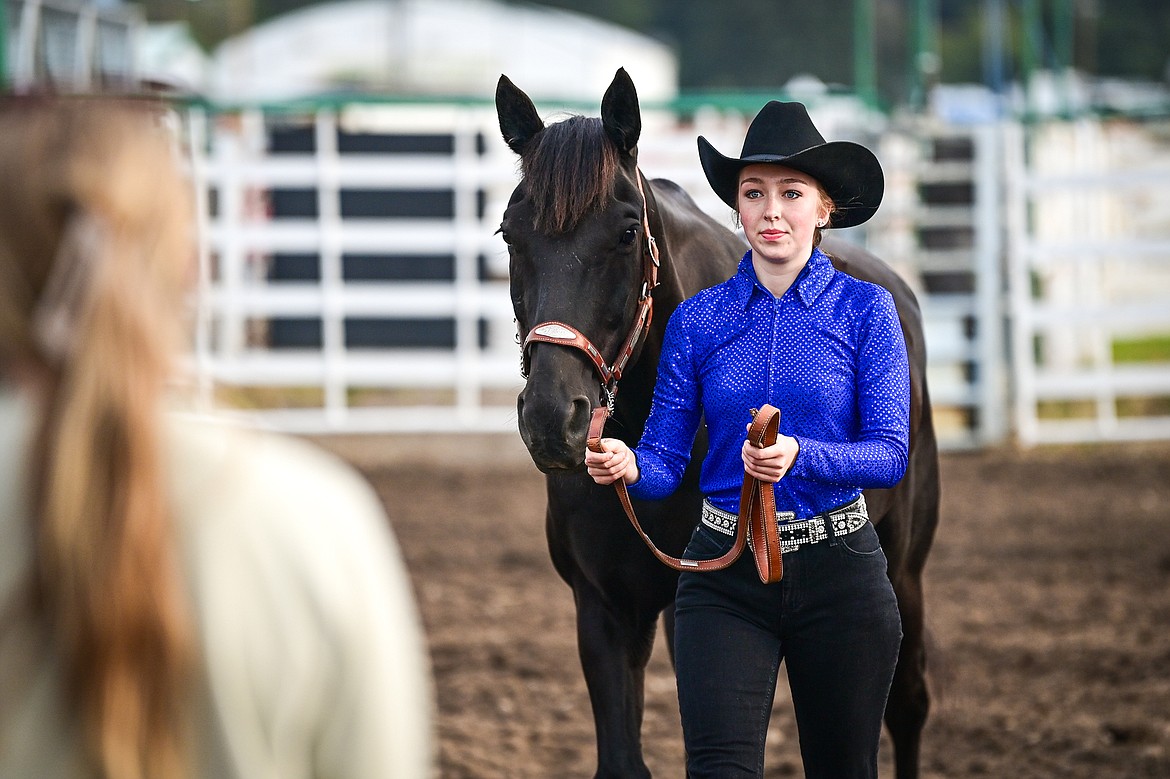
(553, 430)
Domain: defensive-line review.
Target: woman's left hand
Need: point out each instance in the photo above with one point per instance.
(770, 463)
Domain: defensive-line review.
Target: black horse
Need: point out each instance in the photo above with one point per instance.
(579, 229)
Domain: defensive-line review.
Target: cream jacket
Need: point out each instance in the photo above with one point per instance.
(312, 649)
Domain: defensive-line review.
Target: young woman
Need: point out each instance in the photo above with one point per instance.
(177, 599)
(826, 350)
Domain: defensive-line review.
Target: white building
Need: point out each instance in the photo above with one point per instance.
(167, 54)
(448, 48)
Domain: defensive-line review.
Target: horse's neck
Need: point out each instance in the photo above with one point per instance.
(696, 252)
(672, 288)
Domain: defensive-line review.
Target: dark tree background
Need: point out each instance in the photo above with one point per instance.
(749, 44)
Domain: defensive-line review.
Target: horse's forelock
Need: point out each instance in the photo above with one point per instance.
(569, 171)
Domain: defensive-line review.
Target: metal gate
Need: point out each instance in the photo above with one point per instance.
(1088, 223)
(939, 228)
(351, 279)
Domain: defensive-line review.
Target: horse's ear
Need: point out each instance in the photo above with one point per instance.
(620, 114)
(519, 121)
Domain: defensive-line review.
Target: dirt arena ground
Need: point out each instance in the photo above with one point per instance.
(1048, 596)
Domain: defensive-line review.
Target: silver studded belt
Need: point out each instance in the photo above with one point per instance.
(795, 533)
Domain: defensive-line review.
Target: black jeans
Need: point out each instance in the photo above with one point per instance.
(834, 622)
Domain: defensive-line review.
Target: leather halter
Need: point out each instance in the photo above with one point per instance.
(564, 334)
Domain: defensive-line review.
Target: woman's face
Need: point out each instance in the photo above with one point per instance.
(780, 209)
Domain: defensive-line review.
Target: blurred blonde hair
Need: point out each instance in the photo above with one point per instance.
(92, 194)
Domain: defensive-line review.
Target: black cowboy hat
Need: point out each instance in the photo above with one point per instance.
(783, 133)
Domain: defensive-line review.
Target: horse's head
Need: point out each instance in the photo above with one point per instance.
(576, 232)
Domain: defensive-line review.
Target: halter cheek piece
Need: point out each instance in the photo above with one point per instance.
(553, 332)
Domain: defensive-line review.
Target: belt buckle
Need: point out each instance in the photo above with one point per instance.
(794, 535)
(807, 531)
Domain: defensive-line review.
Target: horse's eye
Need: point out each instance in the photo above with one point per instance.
(500, 231)
(629, 236)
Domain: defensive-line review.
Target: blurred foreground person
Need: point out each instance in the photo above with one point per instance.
(177, 598)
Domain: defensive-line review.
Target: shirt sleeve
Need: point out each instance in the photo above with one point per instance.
(665, 448)
(877, 457)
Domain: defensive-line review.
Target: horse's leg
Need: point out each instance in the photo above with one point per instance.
(614, 649)
(909, 700)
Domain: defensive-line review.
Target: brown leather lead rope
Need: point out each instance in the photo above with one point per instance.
(757, 503)
(756, 527)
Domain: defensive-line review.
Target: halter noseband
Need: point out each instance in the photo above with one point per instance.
(554, 332)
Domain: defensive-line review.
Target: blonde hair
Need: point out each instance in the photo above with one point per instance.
(92, 194)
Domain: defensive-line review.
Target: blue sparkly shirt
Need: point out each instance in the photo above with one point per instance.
(828, 353)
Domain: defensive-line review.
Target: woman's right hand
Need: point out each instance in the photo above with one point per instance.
(770, 463)
(616, 461)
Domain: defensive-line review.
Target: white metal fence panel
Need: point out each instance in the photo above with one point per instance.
(1080, 210)
(329, 383)
(939, 228)
(1089, 240)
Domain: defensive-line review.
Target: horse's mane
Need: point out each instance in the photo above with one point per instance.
(569, 171)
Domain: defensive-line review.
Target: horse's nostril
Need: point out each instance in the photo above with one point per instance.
(566, 422)
(554, 428)
(578, 422)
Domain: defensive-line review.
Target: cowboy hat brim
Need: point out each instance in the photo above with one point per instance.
(850, 174)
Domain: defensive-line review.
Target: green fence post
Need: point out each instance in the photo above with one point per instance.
(864, 61)
(3, 45)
